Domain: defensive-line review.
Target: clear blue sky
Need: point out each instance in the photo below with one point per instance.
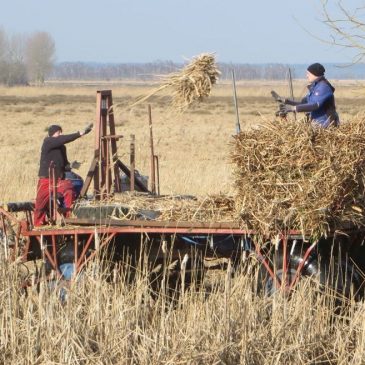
(255, 31)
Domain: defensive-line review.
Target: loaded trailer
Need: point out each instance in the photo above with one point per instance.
(337, 260)
(67, 245)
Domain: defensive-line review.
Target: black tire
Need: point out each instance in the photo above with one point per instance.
(339, 276)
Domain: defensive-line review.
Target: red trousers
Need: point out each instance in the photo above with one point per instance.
(64, 188)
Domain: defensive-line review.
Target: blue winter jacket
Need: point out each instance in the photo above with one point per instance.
(320, 103)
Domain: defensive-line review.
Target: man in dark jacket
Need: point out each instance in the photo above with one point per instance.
(319, 102)
(53, 163)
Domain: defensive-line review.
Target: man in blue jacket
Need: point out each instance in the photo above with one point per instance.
(319, 102)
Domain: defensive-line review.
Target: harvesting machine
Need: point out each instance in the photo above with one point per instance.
(67, 245)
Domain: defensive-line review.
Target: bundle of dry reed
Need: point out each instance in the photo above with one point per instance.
(210, 208)
(296, 175)
(191, 84)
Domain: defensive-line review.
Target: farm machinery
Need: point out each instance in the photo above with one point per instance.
(99, 226)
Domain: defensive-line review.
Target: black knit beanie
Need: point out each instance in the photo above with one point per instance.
(53, 129)
(316, 69)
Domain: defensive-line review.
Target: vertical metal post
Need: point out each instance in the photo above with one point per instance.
(54, 192)
(238, 125)
(97, 150)
(5, 237)
(157, 165)
(132, 160)
(291, 90)
(153, 178)
(108, 181)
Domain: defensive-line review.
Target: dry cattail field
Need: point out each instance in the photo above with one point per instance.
(115, 316)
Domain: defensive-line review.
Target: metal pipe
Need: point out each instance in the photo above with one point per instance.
(157, 167)
(132, 161)
(54, 191)
(5, 237)
(291, 90)
(153, 178)
(238, 126)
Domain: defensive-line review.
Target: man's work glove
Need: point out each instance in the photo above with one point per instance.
(87, 129)
(277, 97)
(72, 165)
(75, 165)
(284, 108)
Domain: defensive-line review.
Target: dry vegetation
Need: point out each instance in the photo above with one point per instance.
(121, 321)
(291, 174)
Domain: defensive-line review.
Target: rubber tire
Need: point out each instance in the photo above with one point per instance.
(340, 276)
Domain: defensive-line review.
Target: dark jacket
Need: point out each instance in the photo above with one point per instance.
(54, 150)
(320, 103)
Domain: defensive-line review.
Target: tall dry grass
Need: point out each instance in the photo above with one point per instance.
(220, 321)
(122, 321)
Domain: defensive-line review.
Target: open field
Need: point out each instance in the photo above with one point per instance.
(123, 321)
(192, 147)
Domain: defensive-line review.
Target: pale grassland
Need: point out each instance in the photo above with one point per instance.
(121, 321)
(222, 321)
(192, 147)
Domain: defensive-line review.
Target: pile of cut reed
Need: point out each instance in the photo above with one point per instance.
(209, 208)
(191, 84)
(296, 175)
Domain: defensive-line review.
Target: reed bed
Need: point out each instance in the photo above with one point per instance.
(121, 321)
(190, 85)
(292, 174)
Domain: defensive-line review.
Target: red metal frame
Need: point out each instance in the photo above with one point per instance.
(142, 227)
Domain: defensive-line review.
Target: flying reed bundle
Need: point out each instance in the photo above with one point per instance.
(294, 175)
(191, 84)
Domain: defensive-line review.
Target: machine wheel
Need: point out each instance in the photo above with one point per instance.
(267, 284)
(338, 276)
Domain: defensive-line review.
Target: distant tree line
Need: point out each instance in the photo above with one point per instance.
(25, 58)
(151, 71)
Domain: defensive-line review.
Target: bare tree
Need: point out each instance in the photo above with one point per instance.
(17, 73)
(40, 56)
(347, 28)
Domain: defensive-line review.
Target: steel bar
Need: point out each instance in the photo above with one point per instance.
(84, 251)
(284, 240)
(138, 182)
(50, 191)
(76, 251)
(132, 161)
(103, 244)
(238, 126)
(157, 166)
(291, 90)
(104, 147)
(137, 229)
(263, 261)
(5, 236)
(54, 250)
(90, 175)
(301, 265)
(107, 172)
(153, 178)
(113, 142)
(45, 252)
(9, 216)
(54, 192)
